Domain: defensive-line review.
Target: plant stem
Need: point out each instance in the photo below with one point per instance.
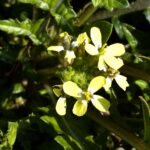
(136, 6)
(135, 72)
(121, 132)
(85, 14)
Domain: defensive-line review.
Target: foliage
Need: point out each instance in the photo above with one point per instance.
(68, 82)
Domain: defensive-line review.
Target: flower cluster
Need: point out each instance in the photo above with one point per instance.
(108, 63)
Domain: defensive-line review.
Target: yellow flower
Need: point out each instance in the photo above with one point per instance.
(107, 54)
(61, 102)
(84, 97)
(69, 53)
(120, 80)
(82, 39)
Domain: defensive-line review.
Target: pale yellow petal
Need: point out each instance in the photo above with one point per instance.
(101, 64)
(121, 81)
(66, 37)
(91, 49)
(61, 106)
(83, 38)
(113, 62)
(80, 107)
(55, 48)
(96, 83)
(96, 37)
(107, 84)
(72, 89)
(70, 56)
(116, 49)
(100, 103)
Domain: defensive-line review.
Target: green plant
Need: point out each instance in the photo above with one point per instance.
(58, 59)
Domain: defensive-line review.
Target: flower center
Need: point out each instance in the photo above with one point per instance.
(87, 96)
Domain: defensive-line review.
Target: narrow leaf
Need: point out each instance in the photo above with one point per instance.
(12, 133)
(53, 122)
(120, 3)
(130, 37)
(61, 10)
(63, 142)
(38, 3)
(97, 3)
(146, 117)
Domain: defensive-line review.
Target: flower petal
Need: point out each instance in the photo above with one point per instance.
(71, 89)
(55, 48)
(116, 49)
(70, 56)
(91, 49)
(61, 106)
(113, 62)
(80, 107)
(100, 103)
(83, 38)
(108, 83)
(121, 81)
(96, 83)
(101, 64)
(96, 37)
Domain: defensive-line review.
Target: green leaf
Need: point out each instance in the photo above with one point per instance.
(18, 88)
(97, 3)
(146, 117)
(61, 10)
(12, 133)
(38, 3)
(120, 3)
(142, 84)
(129, 36)
(18, 28)
(108, 4)
(118, 27)
(111, 4)
(63, 142)
(52, 121)
(147, 14)
(36, 25)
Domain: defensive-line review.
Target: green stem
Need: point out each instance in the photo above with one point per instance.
(135, 72)
(146, 118)
(85, 14)
(136, 6)
(121, 132)
(145, 57)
